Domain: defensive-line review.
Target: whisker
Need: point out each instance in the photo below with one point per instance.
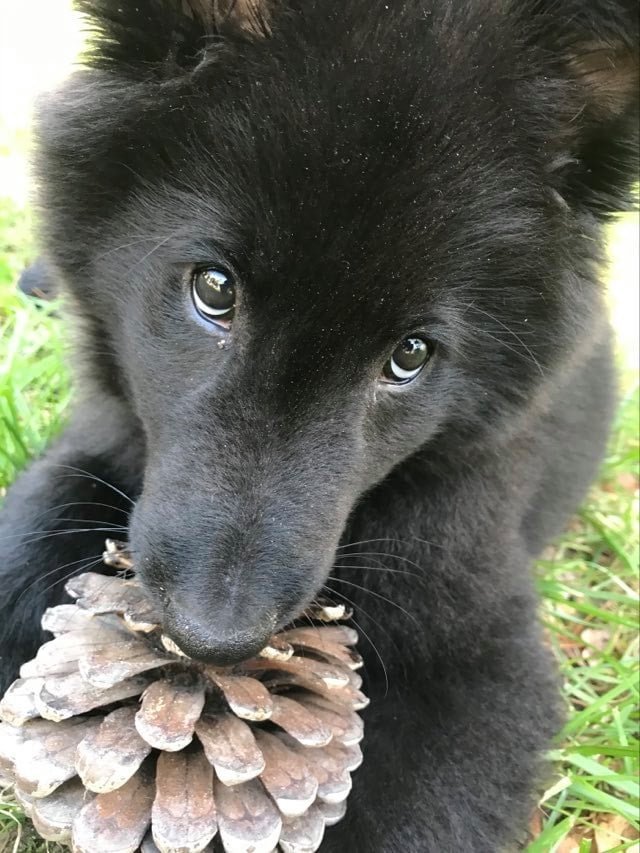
(366, 613)
(51, 533)
(514, 334)
(368, 638)
(70, 504)
(90, 476)
(409, 542)
(525, 356)
(123, 246)
(309, 619)
(384, 554)
(84, 521)
(96, 557)
(430, 543)
(151, 252)
(378, 569)
(370, 541)
(378, 595)
(357, 554)
(72, 573)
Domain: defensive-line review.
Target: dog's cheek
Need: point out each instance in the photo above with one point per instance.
(399, 423)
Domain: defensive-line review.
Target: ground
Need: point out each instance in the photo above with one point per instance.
(588, 580)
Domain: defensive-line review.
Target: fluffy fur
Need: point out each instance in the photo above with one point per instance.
(367, 170)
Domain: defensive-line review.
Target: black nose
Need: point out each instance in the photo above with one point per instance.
(217, 642)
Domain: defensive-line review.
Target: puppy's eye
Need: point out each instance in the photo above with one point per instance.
(407, 360)
(214, 294)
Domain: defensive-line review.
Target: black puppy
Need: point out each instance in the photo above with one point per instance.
(334, 266)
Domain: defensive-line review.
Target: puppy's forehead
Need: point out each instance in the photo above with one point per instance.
(348, 189)
(331, 221)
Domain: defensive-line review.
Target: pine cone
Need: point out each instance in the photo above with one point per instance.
(115, 741)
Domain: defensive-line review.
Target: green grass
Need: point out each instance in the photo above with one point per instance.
(588, 582)
(34, 392)
(34, 385)
(589, 588)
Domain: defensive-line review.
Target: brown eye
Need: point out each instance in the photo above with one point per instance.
(407, 360)
(214, 294)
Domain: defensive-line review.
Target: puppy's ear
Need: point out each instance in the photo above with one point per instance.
(149, 39)
(590, 86)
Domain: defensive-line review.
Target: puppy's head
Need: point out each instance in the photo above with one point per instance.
(309, 240)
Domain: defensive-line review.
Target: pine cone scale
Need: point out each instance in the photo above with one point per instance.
(53, 816)
(248, 699)
(184, 815)
(111, 664)
(116, 822)
(247, 818)
(47, 757)
(286, 776)
(112, 753)
(18, 704)
(231, 747)
(302, 724)
(169, 712)
(69, 695)
(303, 834)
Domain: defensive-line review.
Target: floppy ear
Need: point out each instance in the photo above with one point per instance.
(591, 55)
(149, 39)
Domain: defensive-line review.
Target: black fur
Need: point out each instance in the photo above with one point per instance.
(367, 169)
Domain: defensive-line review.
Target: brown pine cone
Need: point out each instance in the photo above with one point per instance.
(115, 741)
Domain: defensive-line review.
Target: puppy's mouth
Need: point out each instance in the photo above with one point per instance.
(219, 640)
(221, 643)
